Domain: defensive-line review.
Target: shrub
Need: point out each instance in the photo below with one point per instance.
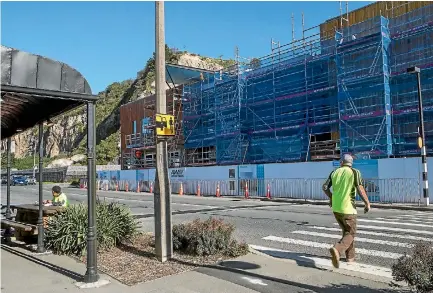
(209, 237)
(67, 231)
(416, 269)
(75, 182)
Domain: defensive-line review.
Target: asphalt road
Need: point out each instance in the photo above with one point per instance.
(292, 230)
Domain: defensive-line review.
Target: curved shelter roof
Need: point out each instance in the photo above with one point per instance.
(36, 88)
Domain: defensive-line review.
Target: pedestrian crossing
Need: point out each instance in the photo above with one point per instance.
(379, 241)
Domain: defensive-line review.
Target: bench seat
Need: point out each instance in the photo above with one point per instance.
(19, 225)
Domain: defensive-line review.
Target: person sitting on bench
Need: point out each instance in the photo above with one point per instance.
(59, 198)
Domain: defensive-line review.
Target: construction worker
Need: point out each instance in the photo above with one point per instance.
(59, 198)
(345, 181)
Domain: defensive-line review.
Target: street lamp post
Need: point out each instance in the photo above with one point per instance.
(417, 71)
(91, 275)
(40, 247)
(8, 188)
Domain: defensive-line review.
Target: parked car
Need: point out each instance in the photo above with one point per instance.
(4, 180)
(31, 180)
(19, 180)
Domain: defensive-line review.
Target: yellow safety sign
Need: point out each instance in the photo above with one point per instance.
(164, 125)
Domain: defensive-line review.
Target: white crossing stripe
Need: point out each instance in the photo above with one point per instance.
(370, 252)
(393, 229)
(394, 223)
(358, 239)
(320, 262)
(408, 220)
(421, 217)
(409, 237)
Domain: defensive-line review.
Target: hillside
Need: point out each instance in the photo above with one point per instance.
(68, 134)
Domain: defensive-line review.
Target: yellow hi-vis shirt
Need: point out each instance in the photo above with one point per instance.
(344, 182)
(62, 199)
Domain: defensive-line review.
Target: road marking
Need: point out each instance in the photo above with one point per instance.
(255, 281)
(138, 200)
(358, 239)
(415, 216)
(393, 229)
(370, 252)
(407, 220)
(372, 233)
(325, 263)
(394, 223)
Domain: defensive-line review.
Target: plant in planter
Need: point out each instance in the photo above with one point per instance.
(209, 237)
(416, 269)
(67, 231)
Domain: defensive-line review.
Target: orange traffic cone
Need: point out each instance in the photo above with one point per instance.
(181, 189)
(126, 187)
(268, 192)
(138, 187)
(218, 190)
(198, 189)
(247, 193)
(151, 187)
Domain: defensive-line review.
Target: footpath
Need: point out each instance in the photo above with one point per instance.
(23, 271)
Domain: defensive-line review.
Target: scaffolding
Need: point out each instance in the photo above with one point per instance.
(140, 152)
(363, 73)
(329, 93)
(199, 122)
(412, 45)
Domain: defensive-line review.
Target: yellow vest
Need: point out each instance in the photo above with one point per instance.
(61, 199)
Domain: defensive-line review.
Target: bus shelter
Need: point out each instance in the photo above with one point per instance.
(34, 90)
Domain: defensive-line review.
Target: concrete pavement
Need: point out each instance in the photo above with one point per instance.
(300, 232)
(24, 272)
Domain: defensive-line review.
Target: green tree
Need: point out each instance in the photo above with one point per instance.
(107, 150)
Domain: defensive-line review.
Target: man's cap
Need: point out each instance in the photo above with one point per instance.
(347, 160)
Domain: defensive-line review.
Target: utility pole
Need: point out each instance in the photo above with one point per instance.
(162, 200)
(421, 143)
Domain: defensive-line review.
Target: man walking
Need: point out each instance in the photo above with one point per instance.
(345, 181)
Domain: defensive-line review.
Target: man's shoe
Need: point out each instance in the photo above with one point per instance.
(335, 257)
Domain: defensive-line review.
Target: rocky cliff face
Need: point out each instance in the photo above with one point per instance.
(67, 135)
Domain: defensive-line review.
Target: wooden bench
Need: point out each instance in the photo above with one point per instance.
(20, 226)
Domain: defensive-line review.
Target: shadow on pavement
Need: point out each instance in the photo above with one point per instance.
(281, 285)
(301, 259)
(242, 265)
(55, 268)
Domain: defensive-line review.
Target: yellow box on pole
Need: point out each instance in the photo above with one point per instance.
(164, 125)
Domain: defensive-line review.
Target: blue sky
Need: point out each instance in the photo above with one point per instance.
(111, 41)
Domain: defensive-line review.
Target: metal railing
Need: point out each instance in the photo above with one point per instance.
(396, 190)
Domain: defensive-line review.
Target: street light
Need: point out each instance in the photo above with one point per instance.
(421, 140)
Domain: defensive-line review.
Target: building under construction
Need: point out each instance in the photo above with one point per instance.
(341, 88)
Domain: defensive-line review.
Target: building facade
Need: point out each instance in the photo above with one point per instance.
(342, 88)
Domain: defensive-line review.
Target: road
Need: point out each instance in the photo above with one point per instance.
(280, 229)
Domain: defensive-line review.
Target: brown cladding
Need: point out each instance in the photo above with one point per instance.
(145, 107)
(387, 9)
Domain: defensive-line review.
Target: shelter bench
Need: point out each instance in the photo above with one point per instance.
(28, 228)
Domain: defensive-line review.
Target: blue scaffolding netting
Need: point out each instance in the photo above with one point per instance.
(317, 98)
